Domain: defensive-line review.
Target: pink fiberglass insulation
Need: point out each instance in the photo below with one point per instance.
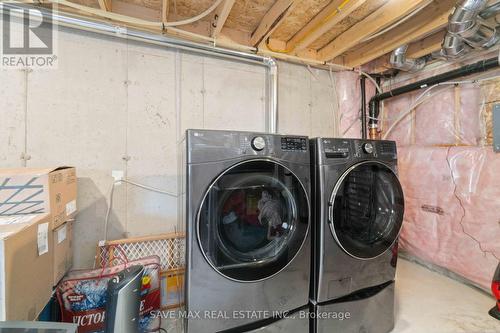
(451, 182)
(432, 126)
(446, 116)
(392, 111)
(451, 214)
(471, 103)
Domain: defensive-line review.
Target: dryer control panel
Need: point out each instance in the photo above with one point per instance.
(210, 146)
(336, 148)
(293, 143)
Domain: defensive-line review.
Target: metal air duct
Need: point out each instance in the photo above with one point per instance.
(400, 61)
(466, 29)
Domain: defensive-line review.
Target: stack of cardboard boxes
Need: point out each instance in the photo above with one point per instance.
(37, 207)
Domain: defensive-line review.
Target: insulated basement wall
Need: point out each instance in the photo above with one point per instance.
(450, 176)
(114, 106)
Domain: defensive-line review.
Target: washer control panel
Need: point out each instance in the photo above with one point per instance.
(368, 148)
(289, 143)
(258, 143)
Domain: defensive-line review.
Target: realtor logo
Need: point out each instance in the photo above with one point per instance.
(28, 37)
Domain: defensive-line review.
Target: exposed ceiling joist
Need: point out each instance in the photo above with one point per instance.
(105, 5)
(220, 16)
(325, 20)
(418, 27)
(135, 11)
(388, 14)
(415, 50)
(164, 10)
(427, 45)
(249, 23)
(271, 20)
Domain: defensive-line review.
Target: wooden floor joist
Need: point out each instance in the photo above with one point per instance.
(415, 50)
(220, 16)
(164, 10)
(325, 20)
(383, 17)
(347, 32)
(420, 26)
(426, 45)
(271, 20)
(105, 5)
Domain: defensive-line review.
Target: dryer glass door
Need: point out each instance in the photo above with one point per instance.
(253, 220)
(366, 210)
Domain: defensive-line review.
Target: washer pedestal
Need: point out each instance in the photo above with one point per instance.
(370, 311)
(294, 323)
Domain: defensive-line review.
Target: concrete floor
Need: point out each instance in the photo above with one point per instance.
(429, 302)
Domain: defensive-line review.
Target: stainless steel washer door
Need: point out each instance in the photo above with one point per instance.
(366, 210)
(253, 220)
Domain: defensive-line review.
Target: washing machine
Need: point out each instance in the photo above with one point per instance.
(358, 216)
(246, 201)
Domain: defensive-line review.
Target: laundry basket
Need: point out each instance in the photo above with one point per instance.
(169, 247)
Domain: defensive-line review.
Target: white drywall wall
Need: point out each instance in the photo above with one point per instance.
(118, 105)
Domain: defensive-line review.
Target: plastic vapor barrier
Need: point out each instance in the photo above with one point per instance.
(450, 176)
(451, 208)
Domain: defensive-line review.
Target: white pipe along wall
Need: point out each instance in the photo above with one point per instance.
(115, 106)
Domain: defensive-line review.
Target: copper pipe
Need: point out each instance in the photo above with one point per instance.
(374, 134)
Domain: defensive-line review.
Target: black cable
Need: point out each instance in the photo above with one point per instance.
(362, 83)
(478, 67)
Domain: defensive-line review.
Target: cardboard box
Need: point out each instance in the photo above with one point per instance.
(26, 265)
(35, 191)
(63, 250)
(172, 289)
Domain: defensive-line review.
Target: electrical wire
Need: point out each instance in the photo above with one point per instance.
(101, 14)
(413, 105)
(111, 193)
(418, 100)
(337, 11)
(396, 24)
(369, 77)
(377, 87)
(312, 73)
(335, 104)
(333, 98)
(461, 222)
(128, 19)
(350, 126)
